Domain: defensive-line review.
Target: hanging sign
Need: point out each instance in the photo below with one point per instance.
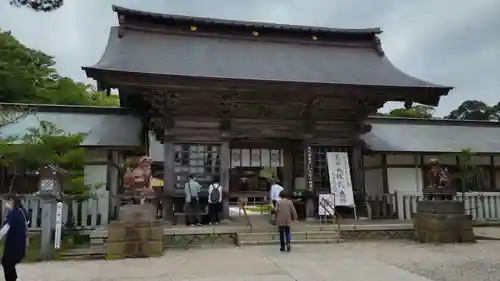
(326, 204)
(340, 178)
(58, 230)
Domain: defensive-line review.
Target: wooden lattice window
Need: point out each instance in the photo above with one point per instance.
(320, 165)
(201, 160)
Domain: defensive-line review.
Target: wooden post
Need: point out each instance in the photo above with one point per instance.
(112, 182)
(168, 179)
(225, 165)
(288, 177)
(358, 184)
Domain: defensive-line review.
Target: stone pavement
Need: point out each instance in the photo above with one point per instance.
(374, 261)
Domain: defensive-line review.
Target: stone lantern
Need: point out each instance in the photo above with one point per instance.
(49, 189)
(51, 179)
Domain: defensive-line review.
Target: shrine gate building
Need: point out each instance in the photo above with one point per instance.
(232, 99)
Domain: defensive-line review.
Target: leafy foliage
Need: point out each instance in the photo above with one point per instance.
(467, 168)
(417, 111)
(45, 145)
(38, 5)
(12, 115)
(476, 110)
(29, 76)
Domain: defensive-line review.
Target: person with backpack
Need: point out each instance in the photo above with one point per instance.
(15, 230)
(215, 201)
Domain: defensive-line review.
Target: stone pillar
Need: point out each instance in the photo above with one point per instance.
(47, 251)
(225, 159)
(168, 178)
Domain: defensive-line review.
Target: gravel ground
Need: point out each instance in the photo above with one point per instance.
(456, 262)
(374, 261)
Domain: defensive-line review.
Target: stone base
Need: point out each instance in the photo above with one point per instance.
(430, 190)
(136, 235)
(134, 239)
(440, 207)
(137, 213)
(443, 228)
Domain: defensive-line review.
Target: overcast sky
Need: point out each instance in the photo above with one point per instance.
(447, 42)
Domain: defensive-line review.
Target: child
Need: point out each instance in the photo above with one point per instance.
(285, 214)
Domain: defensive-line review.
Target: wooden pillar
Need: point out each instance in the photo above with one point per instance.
(358, 174)
(225, 164)
(168, 178)
(385, 177)
(288, 177)
(112, 181)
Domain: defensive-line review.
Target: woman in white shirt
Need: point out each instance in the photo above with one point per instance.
(274, 193)
(215, 201)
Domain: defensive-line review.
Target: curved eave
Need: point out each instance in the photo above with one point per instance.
(109, 78)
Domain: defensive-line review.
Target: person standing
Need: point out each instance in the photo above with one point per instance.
(215, 201)
(274, 196)
(274, 192)
(285, 214)
(15, 230)
(192, 190)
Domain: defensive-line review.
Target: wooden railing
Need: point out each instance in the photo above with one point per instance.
(88, 214)
(482, 206)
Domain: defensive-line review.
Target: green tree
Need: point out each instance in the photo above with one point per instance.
(417, 111)
(29, 76)
(467, 169)
(46, 145)
(476, 110)
(38, 5)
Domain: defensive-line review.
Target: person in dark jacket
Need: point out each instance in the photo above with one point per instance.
(15, 230)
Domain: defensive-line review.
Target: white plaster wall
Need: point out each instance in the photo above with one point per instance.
(481, 160)
(156, 149)
(446, 159)
(497, 160)
(96, 175)
(404, 179)
(401, 159)
(373, 182)
(372, 160)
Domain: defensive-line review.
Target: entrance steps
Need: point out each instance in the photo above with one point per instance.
(297, 237)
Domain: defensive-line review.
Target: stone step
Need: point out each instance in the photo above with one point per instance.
(83, 253)
(274, 236)
(302, 228)
(293, 242)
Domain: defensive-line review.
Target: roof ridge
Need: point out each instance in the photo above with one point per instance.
(227, 22)
(431, 121)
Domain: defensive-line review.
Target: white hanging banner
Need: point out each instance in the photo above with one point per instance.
(340, 178)
(57, 238)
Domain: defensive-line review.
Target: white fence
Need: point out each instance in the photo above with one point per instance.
(86, 215)
(482, 206)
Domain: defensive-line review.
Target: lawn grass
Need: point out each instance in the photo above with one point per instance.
(33, 252)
